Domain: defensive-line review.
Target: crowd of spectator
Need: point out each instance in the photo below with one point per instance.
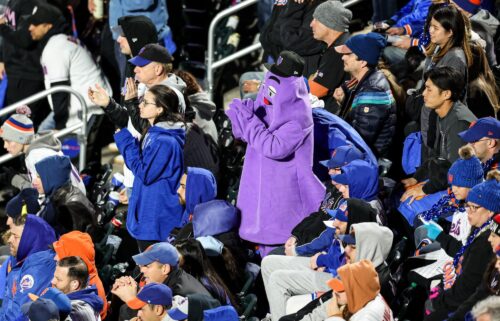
(369, 186)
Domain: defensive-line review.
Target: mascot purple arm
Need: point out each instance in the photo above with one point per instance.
(277, 188)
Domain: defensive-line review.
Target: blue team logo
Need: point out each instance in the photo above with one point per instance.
(27, 282)
(280, 2)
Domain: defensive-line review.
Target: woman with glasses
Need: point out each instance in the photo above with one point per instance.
(464, 274)
(157, 164)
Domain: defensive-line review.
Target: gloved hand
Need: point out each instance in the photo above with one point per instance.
(432, 229)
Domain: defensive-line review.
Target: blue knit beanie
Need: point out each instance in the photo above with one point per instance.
(27, 197)
(487, 194)
(466, 171)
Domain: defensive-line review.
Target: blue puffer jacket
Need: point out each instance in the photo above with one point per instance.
(412, 16)
(154, 208)
(370, 108)
(201, 187)
(326, 125)
(153, 9)
(31, 270)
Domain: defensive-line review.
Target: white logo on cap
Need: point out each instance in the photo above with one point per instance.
(35, 8)
(134, 39)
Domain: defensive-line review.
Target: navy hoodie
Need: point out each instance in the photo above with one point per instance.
(85, 304)
(32, 269)
(201, 187)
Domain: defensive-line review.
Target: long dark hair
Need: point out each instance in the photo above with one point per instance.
(167, 100)
(452, 20)
(195, 261)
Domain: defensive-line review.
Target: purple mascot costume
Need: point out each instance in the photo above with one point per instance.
(278, 188)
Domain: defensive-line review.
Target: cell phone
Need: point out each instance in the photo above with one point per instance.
(393, 39)
(381, 25)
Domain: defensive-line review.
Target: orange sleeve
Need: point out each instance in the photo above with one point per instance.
(317, 89)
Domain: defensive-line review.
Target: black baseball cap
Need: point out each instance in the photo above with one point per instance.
(152, 53)
(288, 64)
(44, 13)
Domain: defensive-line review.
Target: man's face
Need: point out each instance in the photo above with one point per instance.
(39, 31)
(12, 148)
(320, 31)
(181, 191)
(124, 46)
(148, 313)
(340, 227)
(350, 253)
(15, 238)
(351, 63)
(482, 146)
(147, 74)
(341, 298)
(494, 240)
(344, 189)
(460, 192)
(433, 96)
(61, 281)
(484, 317)
(155, 272)
(37, 184)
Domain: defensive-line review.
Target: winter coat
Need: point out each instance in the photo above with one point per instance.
(370, 109)
(32, 270)
(181, 283)
(41, 147)
(326, 125)
(157, 164)
(472, 266)
(85, 304)
(412, 16)
(154, 10)
(80, 244)
(205, 110)
(278, 187)
(289, 29)
(20, 53)
(486, 25)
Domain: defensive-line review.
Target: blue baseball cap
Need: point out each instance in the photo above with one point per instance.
(348, 239)
(60, 299)
(483, 127)
(367, 47)
(162, 252)
(340, 213)
(152, 293)
(151, 53)
(341, 156)
(41, 310)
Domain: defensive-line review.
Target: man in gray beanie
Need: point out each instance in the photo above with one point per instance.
(331, 26)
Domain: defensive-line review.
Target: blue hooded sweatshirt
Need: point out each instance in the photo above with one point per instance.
(157, 164)
(361, 186)
(32, 269)
(201, 187)
(54, 171)
(326, 124)
(214, 218)
(90, 297)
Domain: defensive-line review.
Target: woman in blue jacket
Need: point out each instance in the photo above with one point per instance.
(157, 164)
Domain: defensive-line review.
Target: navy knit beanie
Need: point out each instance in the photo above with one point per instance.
(487, 194)
(28, 197)
(466, 171)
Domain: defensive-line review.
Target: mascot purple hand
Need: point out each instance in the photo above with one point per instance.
(277, 188)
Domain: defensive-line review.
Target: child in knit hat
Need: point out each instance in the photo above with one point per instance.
(465, 173)
(17, 131)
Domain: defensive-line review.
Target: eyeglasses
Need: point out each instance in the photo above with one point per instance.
(145, 102)
(473, 208)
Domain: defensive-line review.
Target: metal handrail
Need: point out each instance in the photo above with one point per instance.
(82, 137)
(211, 64)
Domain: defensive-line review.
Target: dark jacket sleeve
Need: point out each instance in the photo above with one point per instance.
(295, 29)
(475, 262)
(437, 173)
(21, 36)
(482, 292)
(449, 244)
(61, 105)
(454, 142)
(117, 114)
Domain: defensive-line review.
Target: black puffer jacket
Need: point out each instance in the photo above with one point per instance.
(370, 108)
(289, 29)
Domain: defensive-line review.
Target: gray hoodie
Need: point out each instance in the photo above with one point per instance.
(205, 110)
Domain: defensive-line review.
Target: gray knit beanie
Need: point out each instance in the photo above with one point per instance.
(333, 15)
(18, 127)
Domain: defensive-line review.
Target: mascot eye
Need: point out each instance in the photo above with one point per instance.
(272, 91)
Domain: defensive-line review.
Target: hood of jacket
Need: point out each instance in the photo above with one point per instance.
(89, 296)
(176, 130)
(139, 31)
(359, 211)
(178, 85)
(214, 217)
(37, 236)
(43, 140)
(363, 186)
(487, 20)
(361, 284)
(202, 103)
(373, 242)
(201, 187)
(76, 243)
(54, 172)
